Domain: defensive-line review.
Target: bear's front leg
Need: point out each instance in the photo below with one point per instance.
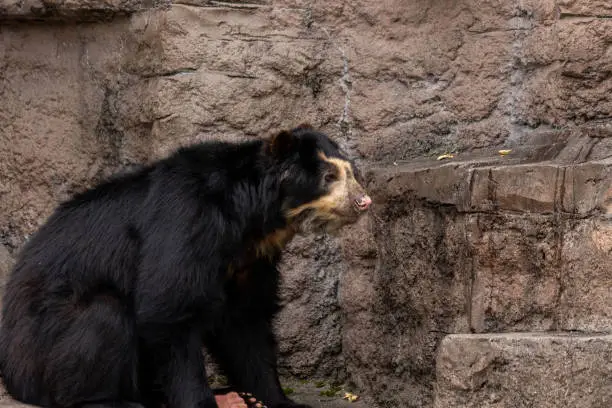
(246, 352)
(179, 367)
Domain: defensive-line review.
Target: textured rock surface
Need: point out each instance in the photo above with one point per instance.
(483, 243)
(312, 271)
(72, 10)
(585, 8)
(478, 244)
(524, 370)
(58, 131)
(6, 263)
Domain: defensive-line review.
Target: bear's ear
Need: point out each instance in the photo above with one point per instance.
(281, 144)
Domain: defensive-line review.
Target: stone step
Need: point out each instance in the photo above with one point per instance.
(512, 370)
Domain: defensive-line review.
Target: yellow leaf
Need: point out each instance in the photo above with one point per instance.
(445, 156)
(350, 397)
(504, 152)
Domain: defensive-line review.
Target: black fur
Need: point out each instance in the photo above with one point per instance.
(112, 300)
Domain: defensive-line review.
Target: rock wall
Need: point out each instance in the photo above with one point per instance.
(485, 244)
(480, 243)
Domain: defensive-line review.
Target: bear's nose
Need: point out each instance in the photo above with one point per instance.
(363, 202)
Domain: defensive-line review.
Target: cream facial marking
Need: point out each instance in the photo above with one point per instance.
(339, 196)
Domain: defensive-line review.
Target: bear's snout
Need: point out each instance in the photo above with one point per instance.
(363, 202)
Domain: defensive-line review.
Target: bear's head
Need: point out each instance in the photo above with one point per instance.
(320, 186)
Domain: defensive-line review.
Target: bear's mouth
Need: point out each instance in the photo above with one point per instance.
(362, 203)
(331, 222)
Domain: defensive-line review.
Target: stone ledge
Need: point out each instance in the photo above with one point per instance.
(72, 10)
(545, 370)
(488, 183)
(529, 241)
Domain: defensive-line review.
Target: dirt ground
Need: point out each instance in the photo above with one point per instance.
(304, 392)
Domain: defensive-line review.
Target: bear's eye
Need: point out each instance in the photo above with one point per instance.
(331, 177)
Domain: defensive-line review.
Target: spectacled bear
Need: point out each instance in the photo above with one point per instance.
(113, 299)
